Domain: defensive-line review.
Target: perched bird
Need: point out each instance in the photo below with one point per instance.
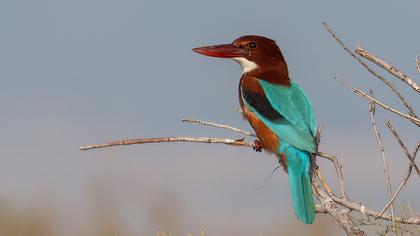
(278, 110)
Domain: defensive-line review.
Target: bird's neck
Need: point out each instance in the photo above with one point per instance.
(275, 73)
(246, 64)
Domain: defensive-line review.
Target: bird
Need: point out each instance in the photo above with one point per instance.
(278, 110)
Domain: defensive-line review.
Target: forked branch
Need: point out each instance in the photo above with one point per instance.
(370, 70)
(372, 110)
(388, 67)
(363, 94)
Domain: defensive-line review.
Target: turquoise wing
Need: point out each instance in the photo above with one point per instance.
(302, 102)
(299, 126)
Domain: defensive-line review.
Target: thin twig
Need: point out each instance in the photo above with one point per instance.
(363, 209)
(407, 153)
(416, 150)
(359, 92)
(388, 67)
(382, 152)
(370, 70)
(237, 142)
(403, 182)
(342, 216)
(338, 170)
(324, 183)
(417, 64)
(228, 127)
(357, 206)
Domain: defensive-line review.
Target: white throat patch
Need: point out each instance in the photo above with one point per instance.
(245, 64)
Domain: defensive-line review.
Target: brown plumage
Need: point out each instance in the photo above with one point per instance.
(270, 141)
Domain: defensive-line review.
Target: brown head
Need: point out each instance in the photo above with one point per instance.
(259, 57)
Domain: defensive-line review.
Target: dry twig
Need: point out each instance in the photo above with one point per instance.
(382, 151)
(338, 170)
(359, 92)
(228, 127)
(342, 216)
(403, 182)
(233, 142)
(407, 153)
(388, 67)
(370, 70)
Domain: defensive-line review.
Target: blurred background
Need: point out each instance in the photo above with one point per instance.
(90, 71)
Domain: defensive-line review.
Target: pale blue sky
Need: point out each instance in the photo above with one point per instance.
(83, 71)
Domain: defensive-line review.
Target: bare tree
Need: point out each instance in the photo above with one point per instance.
(350, 214)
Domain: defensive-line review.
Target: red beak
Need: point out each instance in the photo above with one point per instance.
(222, 50)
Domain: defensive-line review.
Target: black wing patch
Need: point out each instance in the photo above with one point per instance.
(261, 104)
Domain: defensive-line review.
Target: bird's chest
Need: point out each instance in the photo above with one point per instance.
(250, 92)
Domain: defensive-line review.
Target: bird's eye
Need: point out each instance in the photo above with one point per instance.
(252, 45)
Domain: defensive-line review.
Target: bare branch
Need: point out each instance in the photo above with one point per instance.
(237, 142)
(228, 127)
(407, 153)
(388, 67)
(382, 151)
(416, 150)
(359, 92)
(343, 201)
(342, 216)
(370, 70)
(403, 182)
(320, 209)
(417, 64)
(357, 206)
(338, 170)
(324, 183)
(364, 210)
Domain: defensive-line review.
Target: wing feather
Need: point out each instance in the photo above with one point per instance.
(298, 124)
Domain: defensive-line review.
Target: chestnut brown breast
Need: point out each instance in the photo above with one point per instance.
(250, 90)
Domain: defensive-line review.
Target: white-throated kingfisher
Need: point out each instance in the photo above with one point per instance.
(278, 110)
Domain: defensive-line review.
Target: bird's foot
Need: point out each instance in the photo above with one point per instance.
(258, 145)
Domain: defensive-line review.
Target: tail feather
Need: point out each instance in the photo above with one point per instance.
(299, 168)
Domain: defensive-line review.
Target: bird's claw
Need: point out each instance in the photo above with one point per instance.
(258, 146)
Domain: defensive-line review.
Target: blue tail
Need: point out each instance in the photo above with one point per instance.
(299, 169)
